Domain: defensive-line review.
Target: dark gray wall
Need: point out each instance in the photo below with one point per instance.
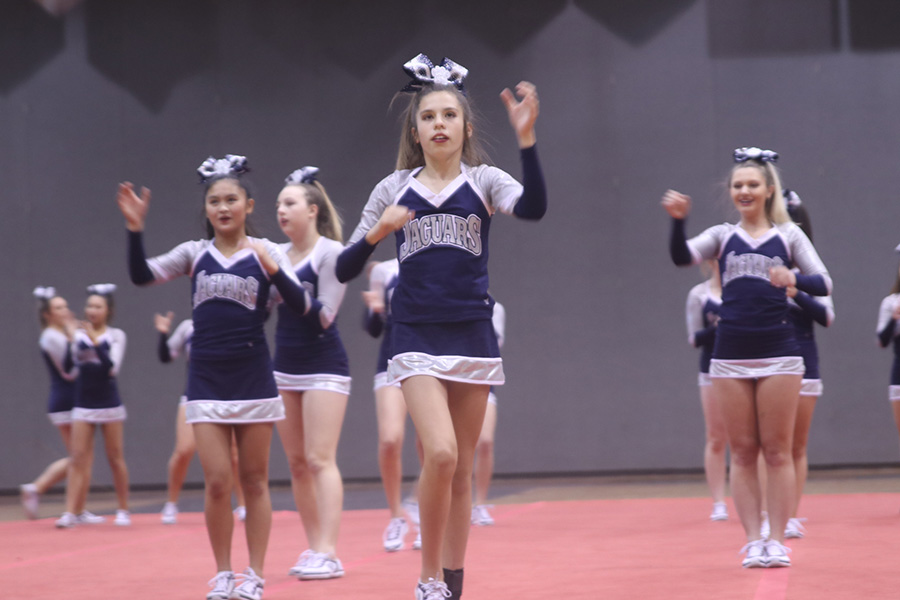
(636, 98)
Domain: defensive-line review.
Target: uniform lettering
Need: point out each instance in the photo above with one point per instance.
(441, 230)
(748, 265)
(227, 286)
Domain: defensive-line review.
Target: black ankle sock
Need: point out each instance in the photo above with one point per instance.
(454, 580)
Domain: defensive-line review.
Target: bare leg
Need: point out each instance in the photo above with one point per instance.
(801, 438)
(113, 438)
(290, 430)
(716, 443)
(55, 471)
(214, 450)
(391, 412)
(254, 441)
(235, 470)
(82, 457)
(484, 455)
(184, 450)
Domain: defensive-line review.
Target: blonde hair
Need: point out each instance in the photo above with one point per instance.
(410, 155)
(776, 207)
(328, 221)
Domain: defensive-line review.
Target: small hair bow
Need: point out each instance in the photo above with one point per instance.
(302, 175)
(754, 153)
(423, 72)
(232, 164)
(44, 293)
(791, 198)
(101, 289)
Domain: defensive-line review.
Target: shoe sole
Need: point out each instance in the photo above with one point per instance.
(775, 563)
(335, 575)
(757, 563)
(793, 535)
(393, 548)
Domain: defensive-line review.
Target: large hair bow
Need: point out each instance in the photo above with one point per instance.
(302, 175)
(44, 293)
(423, 72)
(212, 167)
(791, 198)
(754, 153)
(101, 289)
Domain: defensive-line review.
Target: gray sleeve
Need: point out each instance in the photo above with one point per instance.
(381, 197)
(116, 350)
(707, 244)
(176, 262)
(501, 188)
(804, 255)
(694, 311)
(331, 291)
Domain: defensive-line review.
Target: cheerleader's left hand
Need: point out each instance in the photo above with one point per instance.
(522, 113)
(265, 259)
(782, 277)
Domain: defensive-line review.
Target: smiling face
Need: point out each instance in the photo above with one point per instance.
(227, 207)
(441, 128)
(296, 216)
(57, 312)
(96, 310)
(749, 192)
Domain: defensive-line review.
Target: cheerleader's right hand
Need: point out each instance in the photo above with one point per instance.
(676, 204)
(133, 207)
(374, 301)
(392, 219)
(163, 323)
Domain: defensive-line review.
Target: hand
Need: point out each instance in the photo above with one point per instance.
(676, 204)
(522, 113)
(392, 219)
(163, 323)
(782, 277)
(267, 261)
(88, 328)
(791, 291)
(134, 208)
(70, 326)
(374, 301)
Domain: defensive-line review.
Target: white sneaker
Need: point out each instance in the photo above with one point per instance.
(169, 514)
(89, 518)
(411, 506)
(249, 586)
(30, 499)
(756, 555)
(417, 545)
(765, 529)
(240, 513)
(795, 528)
(322, 566)
(66, 521)
(777, 554)
(222, 585)
(394, 534)
(432, 590)
(302, 561)
(481, 516)
(123, 518)
(719, 512)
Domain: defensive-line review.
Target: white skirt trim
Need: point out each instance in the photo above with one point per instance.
(703, 379)
(235, 411)
(811, 387)
(381, 380)
(465, 369)
(63, 417)
(99, 415)
(182, 400)
(325, 382)
(753, 368)
(492, 398)
(894, 393)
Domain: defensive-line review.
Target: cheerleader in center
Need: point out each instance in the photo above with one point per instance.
(312, 371)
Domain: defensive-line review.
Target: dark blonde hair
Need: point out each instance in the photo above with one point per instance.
(328, 221)
(896, 288)
(410, 156)
(776, 207)
(44, 309)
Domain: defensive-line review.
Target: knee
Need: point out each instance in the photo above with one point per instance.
(218, 487)
(254, 485)
(390, 445)
(716, 445)
(317, 463)
(485, 446)
(744, 455)
(776, 456)
(299, 466)
(442, 459)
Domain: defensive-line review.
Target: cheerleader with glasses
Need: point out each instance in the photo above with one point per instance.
(231, 387)
(439, 203)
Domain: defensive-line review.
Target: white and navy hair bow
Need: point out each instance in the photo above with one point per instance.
(101, 289)
(44, 293)
(754, 153)
(791, 198)
(302, 175)
(213, 168)
(424, 72)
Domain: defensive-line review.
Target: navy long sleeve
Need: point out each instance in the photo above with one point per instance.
(812, 284)
(352, 260)
(162, 349)
(138, 270)
(291, 292)
(816, 310)
(678, 247)
(532, 205)
(887, 334)
(373, 322)
(704, 336)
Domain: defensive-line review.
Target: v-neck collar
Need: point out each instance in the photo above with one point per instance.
(437, 199)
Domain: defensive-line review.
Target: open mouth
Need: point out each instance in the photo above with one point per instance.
(440, 138)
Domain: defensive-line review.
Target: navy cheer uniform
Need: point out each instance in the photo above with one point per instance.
(441, 308)
(230, 376)
(889, 334)
(755, 337)
(309, 354)
(382, 279)
(96, 392)
(173, 346)
(804, 312)
(702, 316)
(57, 353)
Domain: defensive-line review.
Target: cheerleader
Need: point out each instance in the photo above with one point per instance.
(756, 366)
(484, 449)
(57, 329)
(390, 408)
(805, 311)
(439, 203)
(98, 351)
(888, 333)
(702, 315)
(170, 347)
(231, 389)
(312, 371)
